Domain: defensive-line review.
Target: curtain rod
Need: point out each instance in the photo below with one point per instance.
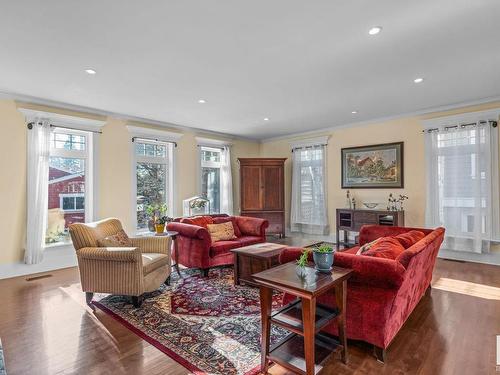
(302, 147)
(210, 146)
(30, 126)
(154, 140)
(493, 123)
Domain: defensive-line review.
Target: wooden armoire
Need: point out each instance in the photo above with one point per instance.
(262, 187)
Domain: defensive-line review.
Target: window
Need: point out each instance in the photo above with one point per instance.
(309, 204)
(153, 179)
(69, 183)
(211, 163)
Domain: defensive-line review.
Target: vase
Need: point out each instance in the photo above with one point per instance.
(160, 228)
(323, 261)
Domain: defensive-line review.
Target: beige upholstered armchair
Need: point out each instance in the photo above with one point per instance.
(129, 271)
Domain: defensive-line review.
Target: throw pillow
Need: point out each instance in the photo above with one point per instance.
(201, 221)
(410, 238)
(367, 246)
(221, 232)
(386, 247)
(119, 239)
(219, 220)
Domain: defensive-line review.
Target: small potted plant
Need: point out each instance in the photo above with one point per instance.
(302, 262)
(323, 257)
(155, 211)
(160, 224)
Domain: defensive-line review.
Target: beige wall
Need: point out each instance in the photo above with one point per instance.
(114, 172)
(408, 130)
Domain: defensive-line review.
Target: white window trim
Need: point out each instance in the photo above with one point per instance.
(154, 136)
(79, 124)
(463, 118)
(309, 142)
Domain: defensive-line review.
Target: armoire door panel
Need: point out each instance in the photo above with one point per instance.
(251, 194)
(271, 183)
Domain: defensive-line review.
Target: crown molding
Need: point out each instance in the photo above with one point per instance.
(58, 119)
(201, 141)
(162, 135)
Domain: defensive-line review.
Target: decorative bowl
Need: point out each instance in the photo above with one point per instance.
(370, 205)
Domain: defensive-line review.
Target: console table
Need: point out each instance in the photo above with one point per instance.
(349, 220)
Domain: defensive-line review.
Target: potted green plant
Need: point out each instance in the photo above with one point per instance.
(154, 212)
(323, 257)
(302, 262)
(160, 224)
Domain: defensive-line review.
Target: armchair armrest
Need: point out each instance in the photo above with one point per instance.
(189, 230)
(117, 254)
(150, 244)
(252, 226)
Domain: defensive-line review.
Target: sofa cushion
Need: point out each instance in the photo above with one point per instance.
(201, 221)
(152, 261)
(218, 220)
(410, 238)
(385, 247)
(248, 240)
(223, 247)
(120, 239)
(221, 232)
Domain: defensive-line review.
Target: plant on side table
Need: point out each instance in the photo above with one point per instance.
(323, 257)
(302, 263)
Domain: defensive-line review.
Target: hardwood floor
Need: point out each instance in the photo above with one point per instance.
(46, 328)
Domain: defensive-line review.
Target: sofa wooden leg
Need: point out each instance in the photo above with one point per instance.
(379, 353)
(204, 272)
(88, 297)
(137, 300)
(167, 281)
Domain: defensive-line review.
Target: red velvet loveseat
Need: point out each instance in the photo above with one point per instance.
(195, 246)
(382, 292)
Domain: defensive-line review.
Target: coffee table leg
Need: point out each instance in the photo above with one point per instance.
(176, 255)
(309, 322)
(265, 312)
(340, 296)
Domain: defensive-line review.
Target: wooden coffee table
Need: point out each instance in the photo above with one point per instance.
(306, 349)
(254, 258)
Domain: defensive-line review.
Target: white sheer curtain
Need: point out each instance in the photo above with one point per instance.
(462, 185)
(226, 182)
(37, 190)
(309, 201)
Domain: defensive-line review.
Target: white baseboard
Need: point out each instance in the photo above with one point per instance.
(314, 237)
(53, 259)
(485, 258)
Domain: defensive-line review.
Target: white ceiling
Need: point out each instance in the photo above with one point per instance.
(304, 64)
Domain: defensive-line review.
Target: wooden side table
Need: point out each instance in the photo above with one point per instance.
(306, 349)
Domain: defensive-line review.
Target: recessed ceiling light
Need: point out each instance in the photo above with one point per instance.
(354, 112)
(266, 118)
(375, 30)
(418, 80)
(90, 71)
(202, 101)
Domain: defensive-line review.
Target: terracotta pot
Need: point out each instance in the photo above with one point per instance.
(160, 228)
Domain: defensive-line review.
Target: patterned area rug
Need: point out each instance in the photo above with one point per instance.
(208, 325)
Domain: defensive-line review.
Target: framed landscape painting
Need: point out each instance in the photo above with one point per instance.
(372, 167)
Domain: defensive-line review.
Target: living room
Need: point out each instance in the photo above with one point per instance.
(245, 188)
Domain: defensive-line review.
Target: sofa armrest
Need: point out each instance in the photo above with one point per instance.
(150, 244)
(369, 233)
(252, 226)
(378, 272)
(189, 230)
(116, 254)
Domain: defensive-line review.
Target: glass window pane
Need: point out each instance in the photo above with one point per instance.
(210, 187)
(66, 197)
(151, 189)
(68, 141)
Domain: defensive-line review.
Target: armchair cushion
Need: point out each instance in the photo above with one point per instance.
(152, 261)
(119, 239)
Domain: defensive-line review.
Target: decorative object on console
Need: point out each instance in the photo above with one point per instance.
(348, 200)
(197, 205)
(263, 191)
(370, 205)
(374, 166)
(353, 220)
(396, 204)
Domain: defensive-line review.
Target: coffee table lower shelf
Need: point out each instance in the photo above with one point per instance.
(289, 352)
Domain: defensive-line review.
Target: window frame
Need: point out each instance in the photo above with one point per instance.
(209, 164)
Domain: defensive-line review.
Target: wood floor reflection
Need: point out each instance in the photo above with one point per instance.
(46, 328)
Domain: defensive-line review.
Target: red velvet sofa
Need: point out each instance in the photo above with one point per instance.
(196, 249)
(382, 293)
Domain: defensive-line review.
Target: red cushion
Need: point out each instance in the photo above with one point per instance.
(352, 250)
(201, 221)
(223, 247)
(386, 247)
(248, 240)
(220, 220)
(410, 238)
